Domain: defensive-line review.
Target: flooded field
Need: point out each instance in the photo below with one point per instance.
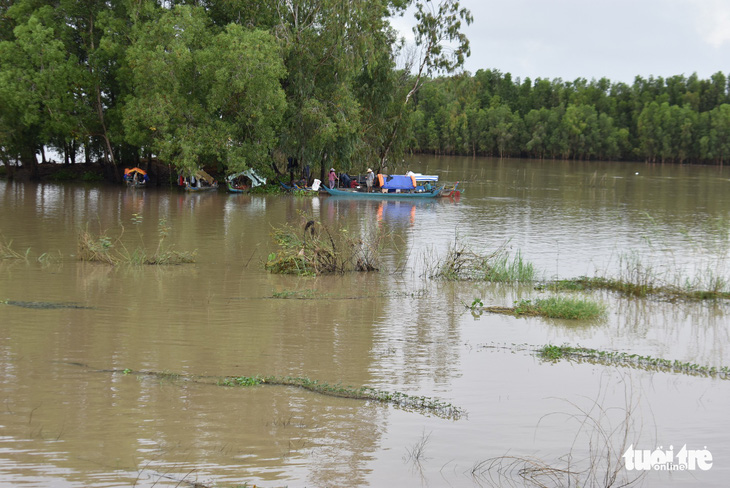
(79, 339)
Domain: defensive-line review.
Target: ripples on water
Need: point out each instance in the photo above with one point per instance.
(396, 330)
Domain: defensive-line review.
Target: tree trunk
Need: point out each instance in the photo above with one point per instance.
(29, 161)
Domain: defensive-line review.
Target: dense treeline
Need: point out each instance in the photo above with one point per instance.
(678, 119)
(224, 84)
(283, 84)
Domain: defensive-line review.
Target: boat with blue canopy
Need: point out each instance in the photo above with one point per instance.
(391, 187)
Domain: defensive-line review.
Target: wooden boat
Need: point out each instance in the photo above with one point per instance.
(198, 182)
(392, 187)
(451, 192)
(135, 177)
(379, 195)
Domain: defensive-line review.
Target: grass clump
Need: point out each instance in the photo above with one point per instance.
(313, 248)
(104, 248)
(558, 307)
(553, 307)
(462, 264)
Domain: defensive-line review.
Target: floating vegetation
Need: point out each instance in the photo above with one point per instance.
(402, 400)
(462, 264)
(44, 305)
(308, 294)
(420, 404)
(312, 248)
(641, 290)
(555, 353)
(110, 250)
(552, 307)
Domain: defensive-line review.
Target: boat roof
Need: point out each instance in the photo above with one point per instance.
(202, 175)
(252, 175)
(134, 170)
(422, 177)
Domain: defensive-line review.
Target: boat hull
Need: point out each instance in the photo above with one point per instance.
(381, 196)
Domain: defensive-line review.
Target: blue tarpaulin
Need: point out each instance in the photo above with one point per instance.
(398, 182)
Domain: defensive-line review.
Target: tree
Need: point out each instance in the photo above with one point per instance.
(204, 99)
(436, 27)
(326, 46)
(38, 90)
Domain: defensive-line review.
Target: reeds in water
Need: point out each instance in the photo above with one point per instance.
(103, 248)
(463, 264)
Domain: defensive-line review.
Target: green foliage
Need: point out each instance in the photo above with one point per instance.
(203, 98)
(111, 250)
(554, 353)
(676, 119)
(559, 307)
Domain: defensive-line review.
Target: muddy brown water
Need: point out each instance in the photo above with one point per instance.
(63, 423)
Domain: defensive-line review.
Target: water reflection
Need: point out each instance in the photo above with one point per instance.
(396, 330)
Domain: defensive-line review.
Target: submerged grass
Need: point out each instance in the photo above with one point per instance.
(553, 307)
(640, 290)
(104, 248)
(558, 307)
(552, 352)
(421, 404)
(402, 400)
(638, 279)
(463, 264)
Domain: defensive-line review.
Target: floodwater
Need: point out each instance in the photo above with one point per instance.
(70, 417)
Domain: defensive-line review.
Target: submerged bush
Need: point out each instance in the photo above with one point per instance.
(313, 248)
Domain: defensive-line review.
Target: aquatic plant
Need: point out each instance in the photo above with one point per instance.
(559, 307)
(309, 293)
(605, 431)
(44, 305)
(402, 400)
(313, 248)
(460, 263)
(266, 190)
(96, 248)
(7, 251)
(690, 291)
(417, 453)
(556, 307)
(111, 250)
(422, 404)
(552, 352)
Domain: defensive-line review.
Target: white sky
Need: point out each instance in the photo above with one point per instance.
(618, 39)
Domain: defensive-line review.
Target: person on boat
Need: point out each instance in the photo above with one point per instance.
(369, 179)
(332, 177)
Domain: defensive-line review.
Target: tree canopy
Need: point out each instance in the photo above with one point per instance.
(225, 84)
(678, 119)
(231, 84)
